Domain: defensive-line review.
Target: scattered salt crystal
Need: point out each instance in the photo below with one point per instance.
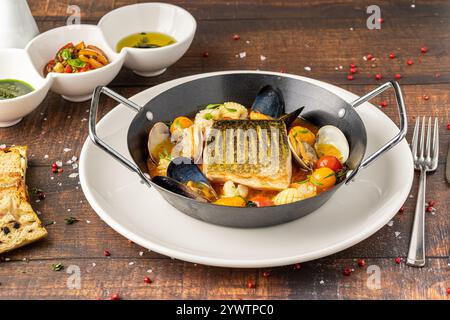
(67, 149)
(341, 67)
(365, 58)
(69, 162)
(73, 175)
(59, 163)
(52, 178)
(397, 233)
(390, 223)
(7, 259)
(83, 120)
(94, 264)
(322, 282)
(74, 166)
(68, 210)
(149, 271)
(37, 201)
(74, 158)
(59, 184)
(307, 68)
(46, 156)
(351, 29)
(45, 119)
(88, 221)
(242, 54)
(247, 41)
(263, 58)
(131, 263)
(141, 253)
(411, 196)
(413, 5)
(38, 212)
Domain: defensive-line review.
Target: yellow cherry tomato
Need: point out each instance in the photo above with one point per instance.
(232, 202)
(180, 123)
(323, 178)
(300, 133)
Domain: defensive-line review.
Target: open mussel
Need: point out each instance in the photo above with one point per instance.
(176, 187)
(301, 141)
(186, 172)
(268, 104)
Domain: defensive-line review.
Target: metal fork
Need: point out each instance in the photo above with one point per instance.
(425, 160)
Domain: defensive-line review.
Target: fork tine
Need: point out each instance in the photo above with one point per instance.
(415, 138)
(428, 145)
(422, 138)
(436, 140)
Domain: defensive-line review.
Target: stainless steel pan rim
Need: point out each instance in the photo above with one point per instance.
(146, 178)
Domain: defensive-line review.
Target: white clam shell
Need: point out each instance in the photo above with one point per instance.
(158, 134)
(333, 136)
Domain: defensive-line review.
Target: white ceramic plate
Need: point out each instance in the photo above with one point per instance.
(140, 214)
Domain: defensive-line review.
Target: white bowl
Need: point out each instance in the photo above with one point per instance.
(74, 86)
(15, 64)
(150, 17)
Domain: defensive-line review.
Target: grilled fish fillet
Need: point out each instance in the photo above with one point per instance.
(252, 153)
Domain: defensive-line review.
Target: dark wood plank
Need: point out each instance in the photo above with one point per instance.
(291, 35)
(293, 44)
(321, 279)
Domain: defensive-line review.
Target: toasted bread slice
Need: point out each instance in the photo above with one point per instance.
(19, 224)
(13, 160)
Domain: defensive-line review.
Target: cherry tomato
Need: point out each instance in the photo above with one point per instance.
(68, 69)
(329, 162)
(180, 123)
(262, 201)
(323, 178)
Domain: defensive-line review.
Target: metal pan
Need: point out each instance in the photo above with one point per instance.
(321, 107)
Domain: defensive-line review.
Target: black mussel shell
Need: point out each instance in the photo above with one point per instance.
(184, 170)
(269, 101)
(176, 187)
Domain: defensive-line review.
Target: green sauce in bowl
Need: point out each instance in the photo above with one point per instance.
(12, 88)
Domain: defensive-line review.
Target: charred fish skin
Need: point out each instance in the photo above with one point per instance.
(252, 153)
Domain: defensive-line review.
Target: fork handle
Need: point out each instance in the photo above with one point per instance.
(416, 253)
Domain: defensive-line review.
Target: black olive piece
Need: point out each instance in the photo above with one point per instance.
(6, 230)
(16, 225)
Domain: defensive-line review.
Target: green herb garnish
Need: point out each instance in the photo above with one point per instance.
(251, 204)
(213, 106)
(36, 190)
(317, 184)
(231, 109)
(330, 175)
(57, 267)
(76, 63)
(66, 54)
(71, 220)
(208, 116)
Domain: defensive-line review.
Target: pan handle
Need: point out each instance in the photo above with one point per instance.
(398, 137)
(93, 131)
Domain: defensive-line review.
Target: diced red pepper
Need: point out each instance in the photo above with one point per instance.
(68, 69)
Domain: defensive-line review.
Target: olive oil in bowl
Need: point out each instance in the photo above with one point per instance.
(145, 40)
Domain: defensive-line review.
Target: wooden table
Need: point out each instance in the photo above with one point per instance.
(292, 36)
